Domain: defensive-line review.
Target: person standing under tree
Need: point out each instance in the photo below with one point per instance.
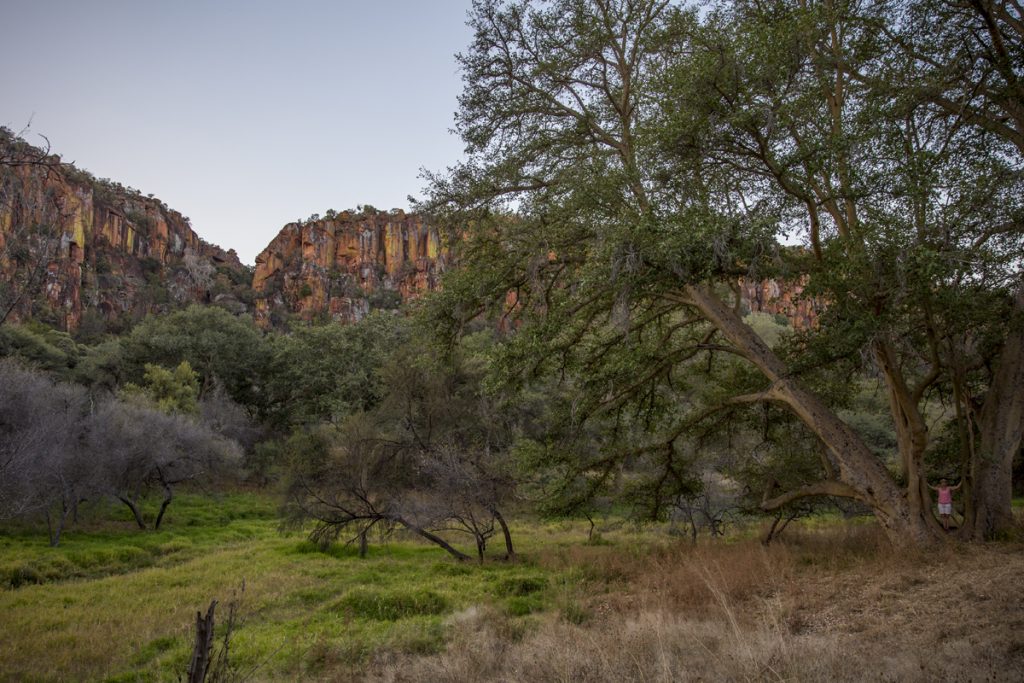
(945, 500)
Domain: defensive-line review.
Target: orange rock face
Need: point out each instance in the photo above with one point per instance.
(341, 267)
(779, 297)
(74, 244)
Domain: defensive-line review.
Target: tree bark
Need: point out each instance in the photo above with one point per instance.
(510, 551)
(135, 511)
(859, 469)
(1001, 425)
(168, 495)
(56, 531)
(911, 434)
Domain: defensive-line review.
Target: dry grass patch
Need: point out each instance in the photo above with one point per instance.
(826, 605)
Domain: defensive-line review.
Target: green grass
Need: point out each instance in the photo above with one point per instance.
(106, 540)
(116, 603)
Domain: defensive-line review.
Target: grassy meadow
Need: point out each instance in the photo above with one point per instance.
(830, 601)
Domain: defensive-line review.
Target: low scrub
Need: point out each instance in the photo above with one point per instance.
(392, 605)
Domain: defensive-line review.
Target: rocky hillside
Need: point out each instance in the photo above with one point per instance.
(76, 250)
(342, 266)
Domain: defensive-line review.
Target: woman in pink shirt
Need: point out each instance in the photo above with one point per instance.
(945, 500)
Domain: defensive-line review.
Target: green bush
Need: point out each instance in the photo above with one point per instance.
(521, 605)
(392, 605)
(520, 585)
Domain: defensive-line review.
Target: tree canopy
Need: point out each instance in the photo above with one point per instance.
(629, 161)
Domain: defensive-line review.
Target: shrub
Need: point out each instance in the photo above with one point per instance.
(392, 605)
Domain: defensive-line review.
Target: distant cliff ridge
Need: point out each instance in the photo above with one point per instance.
(342, 266)
(76, 251)
(106, 249)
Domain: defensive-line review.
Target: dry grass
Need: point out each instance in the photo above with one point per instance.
(836, 604)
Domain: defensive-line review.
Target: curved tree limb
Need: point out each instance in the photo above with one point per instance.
(828, 487)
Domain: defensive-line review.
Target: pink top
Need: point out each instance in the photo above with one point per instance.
(945, 495)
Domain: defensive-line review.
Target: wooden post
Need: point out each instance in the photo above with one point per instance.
(200, 663)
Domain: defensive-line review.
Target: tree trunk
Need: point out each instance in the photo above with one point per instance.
(481, 545)
(433, 538)
(862, 475)
(168, 495)
(58, 529)
(911, 435)
(1001, 425)
(135, 510)
(510, 552)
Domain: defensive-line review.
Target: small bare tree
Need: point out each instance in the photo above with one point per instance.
(352, 481)
(44, 469)
(59, 447)
(142, 448)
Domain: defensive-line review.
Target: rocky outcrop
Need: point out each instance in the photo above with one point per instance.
(783, 298)
(73, 247)
(342, 266)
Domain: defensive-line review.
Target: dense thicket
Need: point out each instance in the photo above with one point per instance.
(61, 447)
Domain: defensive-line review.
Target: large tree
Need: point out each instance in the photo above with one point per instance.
(629, 160)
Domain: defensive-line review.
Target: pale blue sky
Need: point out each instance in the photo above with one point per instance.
(241, 115)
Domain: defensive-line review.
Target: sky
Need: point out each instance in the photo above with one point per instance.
(242, 115)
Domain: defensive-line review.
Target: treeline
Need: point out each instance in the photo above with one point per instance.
(364, 428)
(367, 428)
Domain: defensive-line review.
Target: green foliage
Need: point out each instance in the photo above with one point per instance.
(324, 373)
(520, 585)
(639, 202)
(172, 391)
(141, 220)
(102, 366)
(40, 346)
(768, 327)
(385, 299)
(216, 344)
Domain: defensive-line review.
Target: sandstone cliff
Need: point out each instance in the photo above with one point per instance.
(782, 297)
(342, 266)
(73, 247)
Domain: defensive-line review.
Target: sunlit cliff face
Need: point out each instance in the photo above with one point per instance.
(77, 244)
(338, 268)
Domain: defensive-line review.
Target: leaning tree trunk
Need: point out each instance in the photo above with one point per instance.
(168, 496)
(136, 512)
(433, 538)
(1001, 425)
(510, 551)
(861, 476)
(57, 528)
